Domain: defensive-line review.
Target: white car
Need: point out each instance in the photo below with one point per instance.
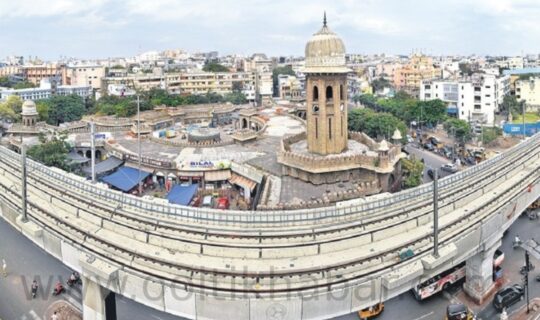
(449, 167)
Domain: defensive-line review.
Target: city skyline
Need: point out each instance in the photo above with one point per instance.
(108, 28)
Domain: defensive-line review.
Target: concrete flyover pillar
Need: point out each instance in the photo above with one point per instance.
(98, 302)
(479, 274)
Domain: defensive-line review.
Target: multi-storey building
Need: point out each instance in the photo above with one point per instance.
(474, 99)
(46, 89)
(35, 73)
(290, 88)
(387, 70)
(529, 91)
(84, 75)
(410, 76)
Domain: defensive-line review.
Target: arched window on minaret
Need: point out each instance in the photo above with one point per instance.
(315, 93)
(329, 93)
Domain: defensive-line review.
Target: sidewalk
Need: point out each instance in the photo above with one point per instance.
(64, 311)
(521, 313)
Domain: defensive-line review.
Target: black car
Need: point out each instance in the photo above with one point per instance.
(507, 297)
(431, 174)
(434, 141)
(429, 146)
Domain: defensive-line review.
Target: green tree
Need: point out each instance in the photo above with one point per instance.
(24, 85)
(11, 108)
(236, 98)
(376, 124)
(51, 153)
(510, 105)
(4, 82)
(412, 172)
(215, 67)
(42, 107)
(490, 134)
(237, 86)
(380, 84)
(276, 72)
(465, 69)
(427, 112)
(460, 129)
(64, 109)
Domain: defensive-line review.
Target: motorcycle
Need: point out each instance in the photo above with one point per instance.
(516, 244)
(74, 279)
(34, 291)
(538, 278)
(524, 270)
(58, 289)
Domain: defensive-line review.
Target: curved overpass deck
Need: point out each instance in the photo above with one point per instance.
(277, 254)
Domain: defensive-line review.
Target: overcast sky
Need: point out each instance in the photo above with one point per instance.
(110, 28)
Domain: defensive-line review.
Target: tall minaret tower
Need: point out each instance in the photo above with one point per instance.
(326, 90)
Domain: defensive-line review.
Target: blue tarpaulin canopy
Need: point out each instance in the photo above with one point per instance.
(180, 194)
(125, 178)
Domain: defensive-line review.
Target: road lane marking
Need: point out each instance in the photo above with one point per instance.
(34, 315)
(425, 316)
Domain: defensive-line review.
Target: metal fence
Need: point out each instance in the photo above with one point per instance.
(276, 216)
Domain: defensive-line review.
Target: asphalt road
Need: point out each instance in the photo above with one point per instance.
(431, 160)
(26, 262)
(406, 307)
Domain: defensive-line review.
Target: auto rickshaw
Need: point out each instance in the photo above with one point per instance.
(371, 312)
(458, 312)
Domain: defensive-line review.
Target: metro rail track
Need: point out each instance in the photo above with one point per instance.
(44, 217)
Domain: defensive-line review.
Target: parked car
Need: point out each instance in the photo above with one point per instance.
(431, 174)
(223, 203)
(208, 202)
(429, 146)
(447, 152)
(507, 297)
(434, 141)
(410, 139)
(449, 167)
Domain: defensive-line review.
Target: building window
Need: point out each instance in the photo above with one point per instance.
(315, 93)
(316, 128)
(330, 128)
(329, 93)
(341, 92)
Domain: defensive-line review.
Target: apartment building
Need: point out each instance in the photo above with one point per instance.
(290, 88)
(409, 77)
(529, 91)
(473, 99)
(35, 73)
(84, 75)
(46, 89)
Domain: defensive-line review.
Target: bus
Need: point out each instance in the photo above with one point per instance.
(443, 280)
(440, 282)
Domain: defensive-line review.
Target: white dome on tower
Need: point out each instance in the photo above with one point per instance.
(325, 52)
(29, 108)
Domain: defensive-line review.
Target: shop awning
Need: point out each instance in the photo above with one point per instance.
(243, 182)
(190, 173)
(74, 157)
(125, 178)
(107, 165)
(182, 195)
(219, 175)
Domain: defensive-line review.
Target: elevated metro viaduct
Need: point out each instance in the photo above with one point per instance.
(302, 264)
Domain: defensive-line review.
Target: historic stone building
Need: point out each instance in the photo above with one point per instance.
(326, 78)
(327, 152)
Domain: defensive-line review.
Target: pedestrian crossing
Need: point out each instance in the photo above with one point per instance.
(32, 315)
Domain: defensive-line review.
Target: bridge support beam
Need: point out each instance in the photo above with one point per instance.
(98, 302)
(479, 274)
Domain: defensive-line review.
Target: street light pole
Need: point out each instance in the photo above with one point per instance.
(526, 277)
(93, 151)
(523, 117)
(139, 142)
(23, 182)
(436, 213)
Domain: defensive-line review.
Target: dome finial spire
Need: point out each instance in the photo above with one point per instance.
(324, 19)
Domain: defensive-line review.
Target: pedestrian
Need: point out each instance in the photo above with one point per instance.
(4, 268)
(54, 316)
